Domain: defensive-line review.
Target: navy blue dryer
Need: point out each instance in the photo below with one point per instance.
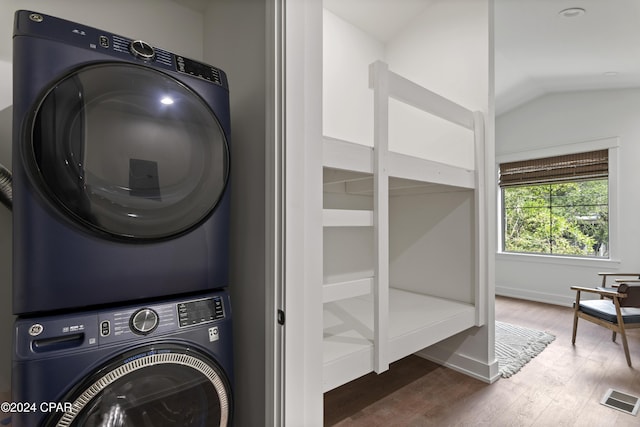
(121, 165)
(164, 364)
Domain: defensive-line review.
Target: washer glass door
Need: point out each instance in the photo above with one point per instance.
(174, 388)
(128, 151)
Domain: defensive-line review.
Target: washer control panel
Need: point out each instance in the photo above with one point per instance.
(206, 314)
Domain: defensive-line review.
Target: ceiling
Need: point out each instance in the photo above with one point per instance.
(537, 50)
(382, 19)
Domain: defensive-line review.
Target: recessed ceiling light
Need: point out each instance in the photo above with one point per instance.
(610, 73)
(572, 12)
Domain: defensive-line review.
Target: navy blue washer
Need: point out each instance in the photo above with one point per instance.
(164, 364)
(120, 169)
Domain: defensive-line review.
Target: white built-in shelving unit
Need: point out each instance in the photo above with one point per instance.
(403, 254)
(389, 203)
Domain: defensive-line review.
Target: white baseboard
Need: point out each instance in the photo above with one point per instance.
(487, 373)
(526, 294)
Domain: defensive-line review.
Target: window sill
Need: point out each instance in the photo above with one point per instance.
(558, 260)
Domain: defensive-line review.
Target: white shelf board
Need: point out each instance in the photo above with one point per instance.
(416, 321)
(334, 176)
(416, 169)
(349, 156)
(397, 187)
(347, 289)
(341, 154)
(347, 218)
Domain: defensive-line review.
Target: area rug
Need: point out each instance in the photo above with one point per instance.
(516, 346)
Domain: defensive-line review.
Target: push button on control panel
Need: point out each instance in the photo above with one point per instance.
(105, 328)
(104, 42)
(219, 309)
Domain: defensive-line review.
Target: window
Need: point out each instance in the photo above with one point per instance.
(557, 205)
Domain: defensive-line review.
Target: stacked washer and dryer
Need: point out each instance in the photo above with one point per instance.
(121, 231)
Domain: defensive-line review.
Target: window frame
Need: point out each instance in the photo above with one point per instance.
(611, 144)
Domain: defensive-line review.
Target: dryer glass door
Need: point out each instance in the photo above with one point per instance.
(150, 390)
(128, 151)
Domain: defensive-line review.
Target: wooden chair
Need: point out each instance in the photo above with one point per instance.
(618, 309)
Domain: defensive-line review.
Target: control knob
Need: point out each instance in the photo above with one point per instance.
(142, 50)
(144, 321)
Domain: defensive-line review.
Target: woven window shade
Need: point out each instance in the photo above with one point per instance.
(570, 167)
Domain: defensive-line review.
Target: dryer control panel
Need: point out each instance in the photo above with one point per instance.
(50, 27)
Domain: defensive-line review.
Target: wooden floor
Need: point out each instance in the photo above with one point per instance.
(560, 387)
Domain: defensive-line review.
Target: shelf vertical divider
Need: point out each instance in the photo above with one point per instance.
(379, 81)
(480, 217)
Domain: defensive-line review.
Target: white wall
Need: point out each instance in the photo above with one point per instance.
(431, 244)
(444, 49)
(430, 52)
(566, 118)
(160, 22)
(347, 108)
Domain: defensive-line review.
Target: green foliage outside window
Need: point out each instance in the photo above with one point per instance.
(568, 218)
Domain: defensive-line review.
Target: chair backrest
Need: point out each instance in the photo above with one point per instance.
(633, 294)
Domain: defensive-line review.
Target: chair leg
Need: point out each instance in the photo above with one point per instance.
(622, 331)
(576, 307)
(613, 336)
(626, 347)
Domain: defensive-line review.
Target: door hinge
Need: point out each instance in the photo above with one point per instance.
(280, 317)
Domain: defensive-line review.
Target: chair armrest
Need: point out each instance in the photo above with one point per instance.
(627, 281)
(601, 291)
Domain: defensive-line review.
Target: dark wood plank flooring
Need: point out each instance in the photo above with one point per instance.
(560, 387)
